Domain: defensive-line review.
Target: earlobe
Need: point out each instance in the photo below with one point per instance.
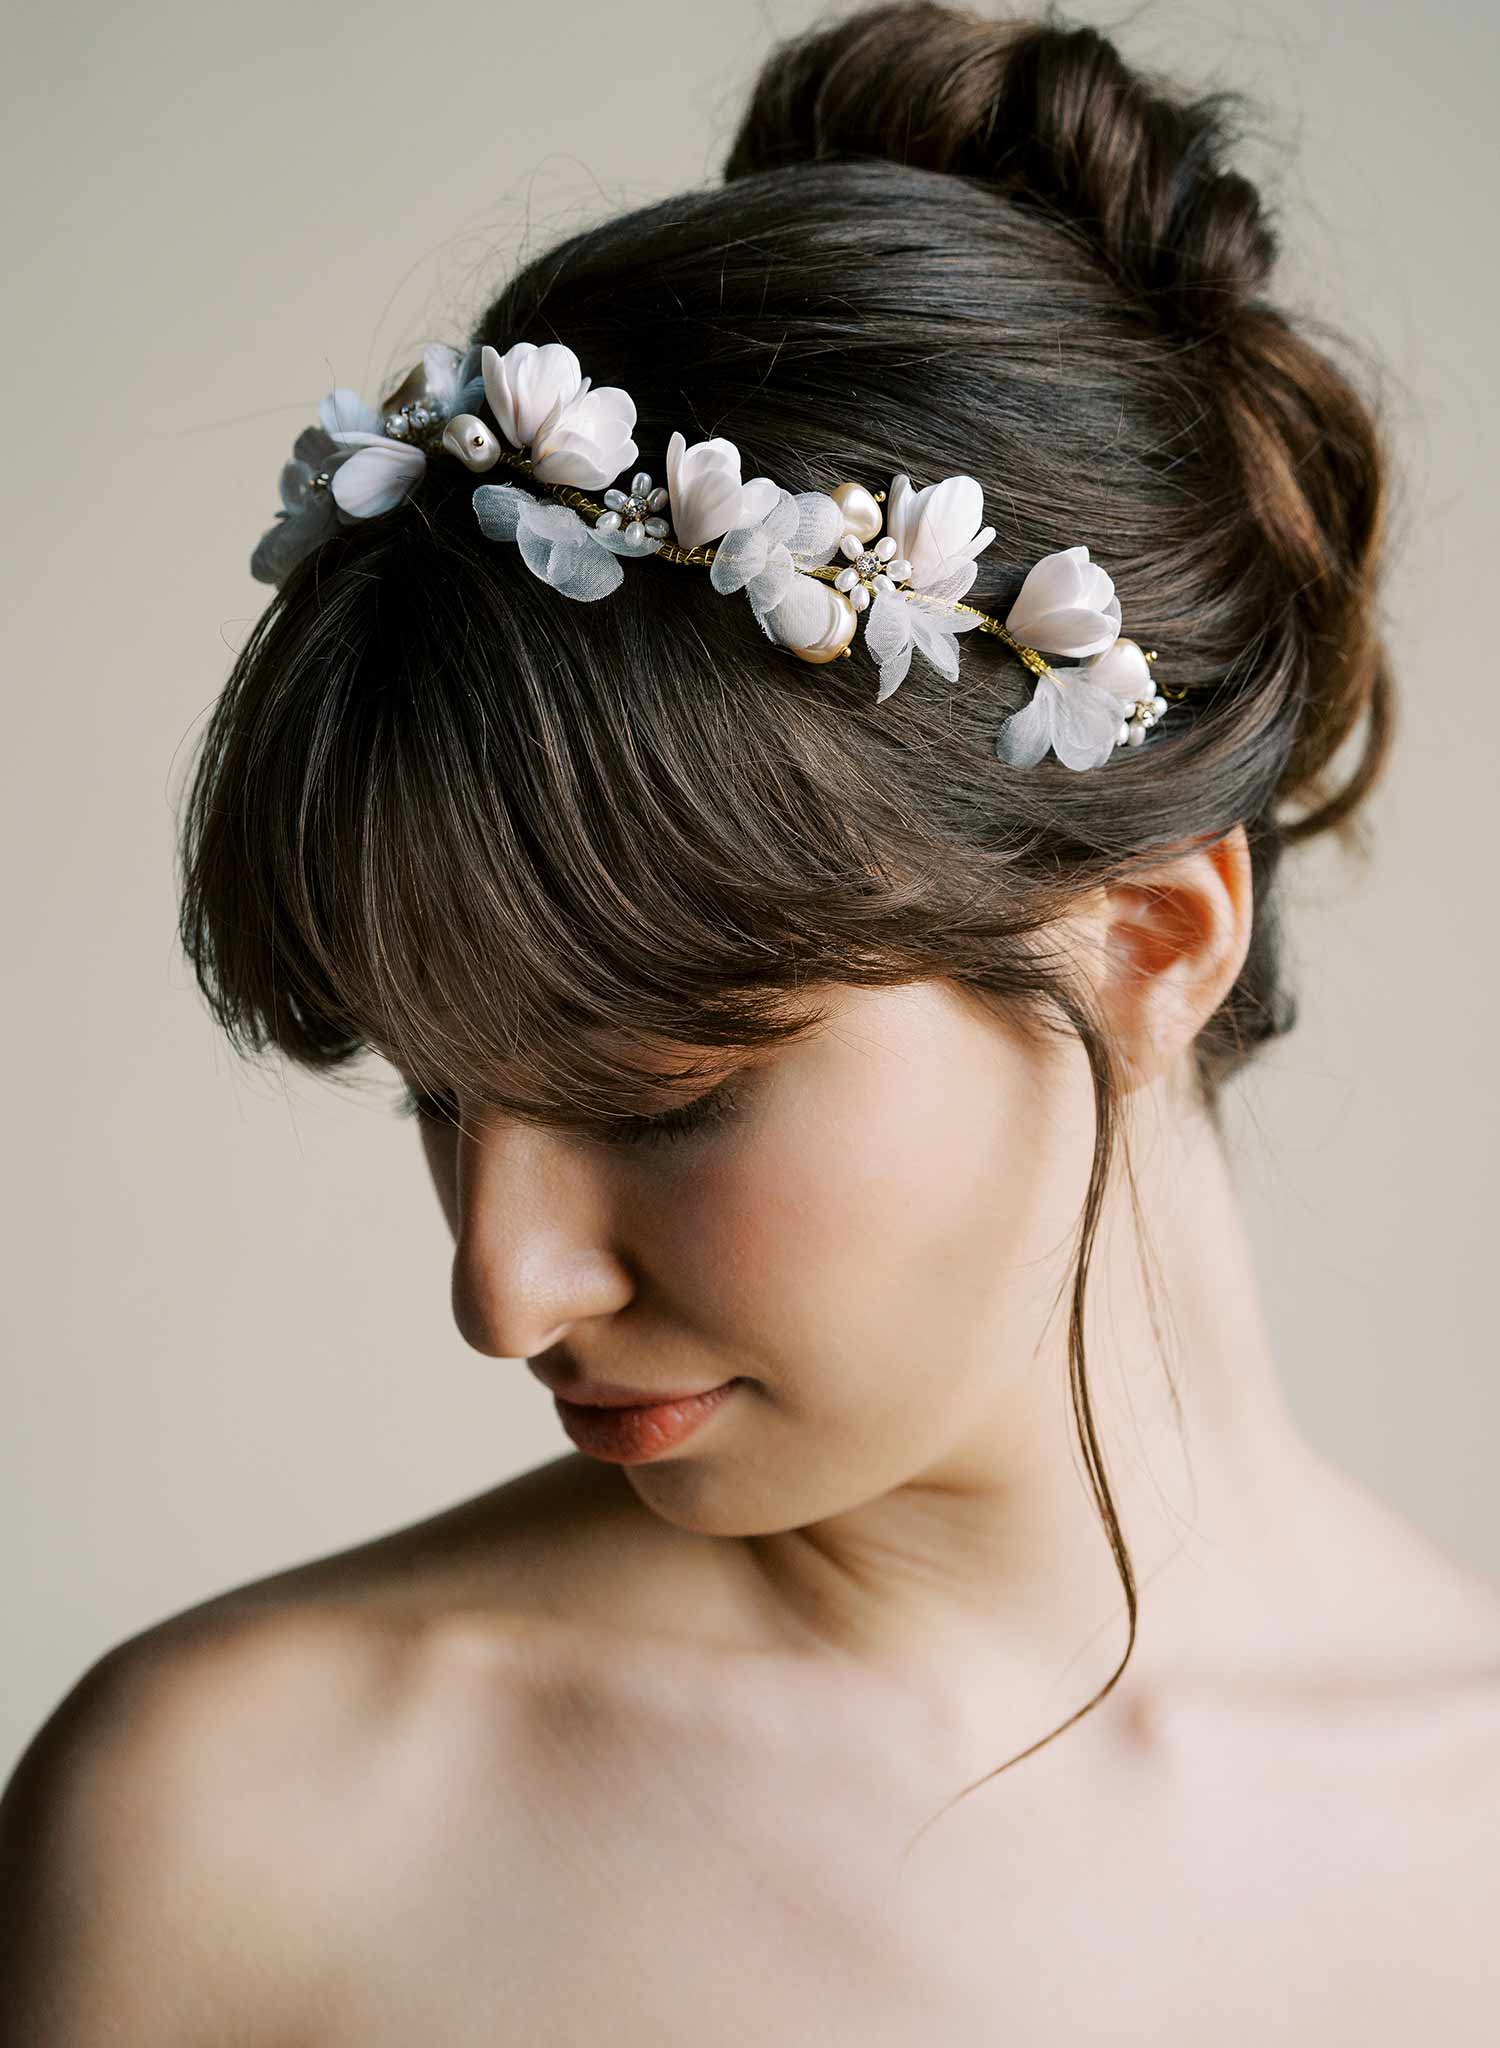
(1172, 944)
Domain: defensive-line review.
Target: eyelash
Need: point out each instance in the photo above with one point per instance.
(699, 1115)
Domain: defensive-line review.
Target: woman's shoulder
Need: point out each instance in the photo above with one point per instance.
(259, 1765)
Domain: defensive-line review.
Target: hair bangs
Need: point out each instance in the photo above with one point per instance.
(537, 882)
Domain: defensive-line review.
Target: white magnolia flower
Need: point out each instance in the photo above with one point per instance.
(708, 499)
(937, 536)
(1084, 713)
(1067, 605)
(541, 400)
(767, 558)
(938, 528)
(556, 544)
(527, 383)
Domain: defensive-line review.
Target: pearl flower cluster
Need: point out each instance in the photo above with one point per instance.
(636, 513)
(1144, 713)
(874, 569)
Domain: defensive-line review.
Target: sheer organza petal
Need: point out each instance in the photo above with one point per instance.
(468, 382)
(888, 636)
(569, 559)
(935, 637)
(818, 530)
(616, 541)
(556, 544)
(1027, 734)
(293, 535)
(315, 448)
(955, 583)
(344, 412)
(1086, 726)
(295, 485)
(767, 590)
(440, 370)
(740, 555)
(497, 507)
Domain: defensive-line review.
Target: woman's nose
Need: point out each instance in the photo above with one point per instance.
(534, 1246)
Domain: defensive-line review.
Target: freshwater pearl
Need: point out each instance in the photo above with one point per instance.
(842, 623)
(862, 515)
(826, 622)
(471, 441)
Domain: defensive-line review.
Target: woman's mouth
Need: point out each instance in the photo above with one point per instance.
(629, 1436)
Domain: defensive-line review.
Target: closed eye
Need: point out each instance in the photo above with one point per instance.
(438, 1106)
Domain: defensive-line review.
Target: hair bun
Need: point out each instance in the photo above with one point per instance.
(1050, 115)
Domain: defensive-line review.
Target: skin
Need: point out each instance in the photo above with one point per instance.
(630, 1751)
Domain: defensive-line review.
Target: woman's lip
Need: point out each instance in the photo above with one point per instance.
(630, 1435)
(626, 1397)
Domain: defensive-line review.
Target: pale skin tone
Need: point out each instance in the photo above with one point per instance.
(635, 1753)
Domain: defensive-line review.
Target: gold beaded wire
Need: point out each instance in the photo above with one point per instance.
(702, 557)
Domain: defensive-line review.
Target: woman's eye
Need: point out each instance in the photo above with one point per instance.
(707, 1110)
(440, 1106)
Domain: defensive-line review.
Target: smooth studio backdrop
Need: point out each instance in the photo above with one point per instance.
(227, 1341)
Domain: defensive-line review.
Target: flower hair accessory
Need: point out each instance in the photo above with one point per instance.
(812, 564)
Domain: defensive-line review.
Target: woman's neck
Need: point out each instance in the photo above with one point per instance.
(988, 1576)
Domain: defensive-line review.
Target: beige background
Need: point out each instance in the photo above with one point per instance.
(227, 1343)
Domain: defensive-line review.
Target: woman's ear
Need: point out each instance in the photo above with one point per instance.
(1166, 948)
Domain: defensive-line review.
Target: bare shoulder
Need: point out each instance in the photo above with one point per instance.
(192, 1832)
(1422, 1626)
(152, 1841)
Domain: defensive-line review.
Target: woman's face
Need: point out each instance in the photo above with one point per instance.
(869, 1242)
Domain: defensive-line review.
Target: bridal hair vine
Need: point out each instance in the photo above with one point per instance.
(812, 564)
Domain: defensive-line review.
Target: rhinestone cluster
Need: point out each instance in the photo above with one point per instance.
(872, 568)
(637, 511)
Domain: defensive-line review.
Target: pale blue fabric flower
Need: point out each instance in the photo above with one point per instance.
(351, 437)
(555, 543)
(309, 512)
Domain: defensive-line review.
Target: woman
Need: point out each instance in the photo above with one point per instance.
(951, 1638)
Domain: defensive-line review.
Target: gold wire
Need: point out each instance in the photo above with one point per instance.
(703, 555)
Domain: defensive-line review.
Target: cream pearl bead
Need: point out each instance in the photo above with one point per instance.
(862, 513)
(471, 441)
(838, 631)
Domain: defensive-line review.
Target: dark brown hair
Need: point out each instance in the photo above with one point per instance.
(516, 843)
